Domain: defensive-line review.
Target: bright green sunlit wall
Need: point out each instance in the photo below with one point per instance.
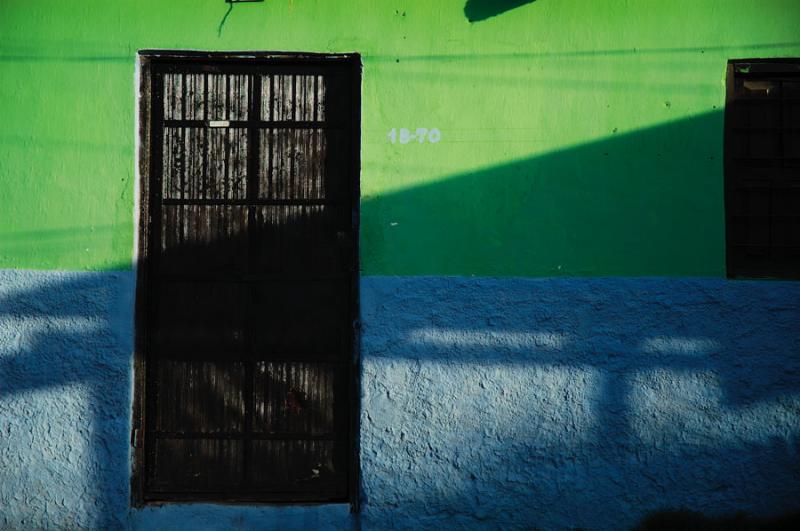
(579, 137)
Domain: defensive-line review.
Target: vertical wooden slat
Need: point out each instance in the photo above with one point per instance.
(203, 238)
(254, 252)
(190, 98)
(201, 397)
(204, 163)
(293, 163)
(320, 99)
(217, 97)
(153, 199)
(295, 397)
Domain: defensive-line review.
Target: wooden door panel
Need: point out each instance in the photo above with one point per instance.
(250, 292)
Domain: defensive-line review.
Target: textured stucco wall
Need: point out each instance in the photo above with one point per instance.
(65, 399)
(577, 402)
(497, 403)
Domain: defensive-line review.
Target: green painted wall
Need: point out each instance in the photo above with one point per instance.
(579, 137)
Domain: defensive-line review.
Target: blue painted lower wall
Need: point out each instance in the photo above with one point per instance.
(577, 402)
(65, 399)
(498, 403)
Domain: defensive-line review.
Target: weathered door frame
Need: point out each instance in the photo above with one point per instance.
(146, 169)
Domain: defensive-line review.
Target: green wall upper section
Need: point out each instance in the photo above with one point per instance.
(579, 137)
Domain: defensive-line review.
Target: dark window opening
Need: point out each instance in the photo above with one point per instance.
(247, 280)
(762, 169)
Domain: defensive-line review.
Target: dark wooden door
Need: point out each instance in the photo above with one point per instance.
(250, 282)
(762, 168)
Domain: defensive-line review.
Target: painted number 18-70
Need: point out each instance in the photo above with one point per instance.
(421, 135)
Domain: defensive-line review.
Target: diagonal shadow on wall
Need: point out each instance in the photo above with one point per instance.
(477, 10)
(647, 202)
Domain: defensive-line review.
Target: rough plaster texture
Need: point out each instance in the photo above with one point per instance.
(576, 402)
(65, 399)
(486, 403)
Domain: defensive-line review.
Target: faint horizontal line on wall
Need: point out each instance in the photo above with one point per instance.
(578, 53)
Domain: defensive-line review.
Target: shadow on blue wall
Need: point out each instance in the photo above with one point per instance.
(578, 402)
(624, 394)
(65, 378)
